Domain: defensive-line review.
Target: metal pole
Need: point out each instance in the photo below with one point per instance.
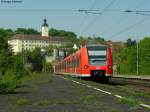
(137, 61)
(23, 48)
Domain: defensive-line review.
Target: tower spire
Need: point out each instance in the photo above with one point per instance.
(45, 23)
(45, 28)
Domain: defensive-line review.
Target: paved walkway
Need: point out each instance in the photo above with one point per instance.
(145, 77)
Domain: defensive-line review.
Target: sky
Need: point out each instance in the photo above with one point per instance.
(109, 22)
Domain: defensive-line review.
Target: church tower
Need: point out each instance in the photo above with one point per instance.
(45, 29)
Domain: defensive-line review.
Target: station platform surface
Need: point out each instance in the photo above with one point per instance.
(142, 77)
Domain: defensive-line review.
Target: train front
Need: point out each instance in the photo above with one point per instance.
(97, 61)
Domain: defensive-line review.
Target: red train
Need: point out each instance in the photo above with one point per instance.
(91, 61)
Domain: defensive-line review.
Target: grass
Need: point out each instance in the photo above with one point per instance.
(133, 91)
(57, 101)
(89, 98)
(82, 90)
(122, 89)
(65, 101)
(8, 82)
(43, 103)
(62, 101)
(23, 101)
(35, 76)
(130, 101)
(98, 104)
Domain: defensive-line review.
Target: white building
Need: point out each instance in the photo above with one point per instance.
(29, 42)
(20, 42)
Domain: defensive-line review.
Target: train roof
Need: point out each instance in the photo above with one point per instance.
(96, 45)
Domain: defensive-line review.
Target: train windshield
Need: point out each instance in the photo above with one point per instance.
(97, 55)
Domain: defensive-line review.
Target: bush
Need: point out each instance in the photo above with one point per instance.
(8, 82)
(48, 67)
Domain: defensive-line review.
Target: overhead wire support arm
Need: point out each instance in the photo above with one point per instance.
(138, 12)
(128, 11)
(142, 14)
(143, 11)
(90, 11)
(87, 12)
(84, 10)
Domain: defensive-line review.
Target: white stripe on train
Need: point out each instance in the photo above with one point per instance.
(81, 75)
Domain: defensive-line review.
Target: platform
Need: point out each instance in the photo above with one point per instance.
(142, 77)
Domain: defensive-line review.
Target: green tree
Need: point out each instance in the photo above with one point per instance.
(36, 59)
(144, 56)
(28, 31)
(127, 58)
(127, 62)
(70, 36)
(49, 50)
(5, 52)
(18, 67)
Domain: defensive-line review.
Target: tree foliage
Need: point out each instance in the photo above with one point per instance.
(144, 56)
(49, 50)
(131, 42)
(70, 36)
(10, 66)
(127, 61)
(28, 31)
(5, 52)
(127, 58)
(35, 58)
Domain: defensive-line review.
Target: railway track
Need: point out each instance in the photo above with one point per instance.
(132, 81)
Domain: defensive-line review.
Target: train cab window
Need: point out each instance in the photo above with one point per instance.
(97, 55)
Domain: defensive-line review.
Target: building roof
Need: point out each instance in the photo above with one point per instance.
(38, 37)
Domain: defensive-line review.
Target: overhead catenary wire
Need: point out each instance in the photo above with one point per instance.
(96, 11)
(88, 11)
(85, 17)
(132, 26)
(137, 12)
(38, 10)
(116, 35)
(143, 14)
(96, 18)
(125, 18)
(143, 11)
(129, 27)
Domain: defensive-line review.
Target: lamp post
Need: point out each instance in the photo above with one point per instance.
(23, 43)
(137, 61)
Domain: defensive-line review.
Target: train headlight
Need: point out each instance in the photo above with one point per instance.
(86, 67)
